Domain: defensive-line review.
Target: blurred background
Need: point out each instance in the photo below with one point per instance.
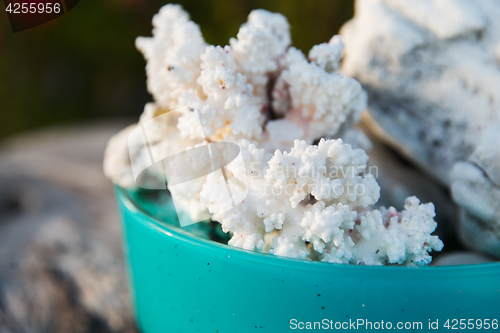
(84, 65)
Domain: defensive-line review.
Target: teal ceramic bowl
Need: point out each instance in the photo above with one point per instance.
(182, 283)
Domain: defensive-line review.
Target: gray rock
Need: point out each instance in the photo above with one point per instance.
(476, 188)
(461, 258)
(432, 72)
(61, 259)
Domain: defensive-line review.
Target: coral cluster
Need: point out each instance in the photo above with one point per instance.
(283, 194)
(314, 199)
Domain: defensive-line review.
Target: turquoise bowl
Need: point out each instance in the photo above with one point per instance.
(183, 283)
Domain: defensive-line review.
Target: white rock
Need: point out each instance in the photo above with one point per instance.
(431, 70)
(432, 73)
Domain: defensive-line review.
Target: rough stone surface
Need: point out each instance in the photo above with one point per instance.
(61, 260)
(476, 188)
(432, 72)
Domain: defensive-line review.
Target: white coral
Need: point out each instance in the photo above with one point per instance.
(281, 194)
(388, 237)
(283, 189)
(329, 171)
(259, 45)
(328, 55)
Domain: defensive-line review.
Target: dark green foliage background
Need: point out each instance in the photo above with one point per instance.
(84, 65)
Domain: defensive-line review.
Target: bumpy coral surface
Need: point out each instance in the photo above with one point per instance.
(282, 194)
(314, 200)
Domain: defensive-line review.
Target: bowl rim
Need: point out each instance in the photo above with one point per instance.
(123, 196)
